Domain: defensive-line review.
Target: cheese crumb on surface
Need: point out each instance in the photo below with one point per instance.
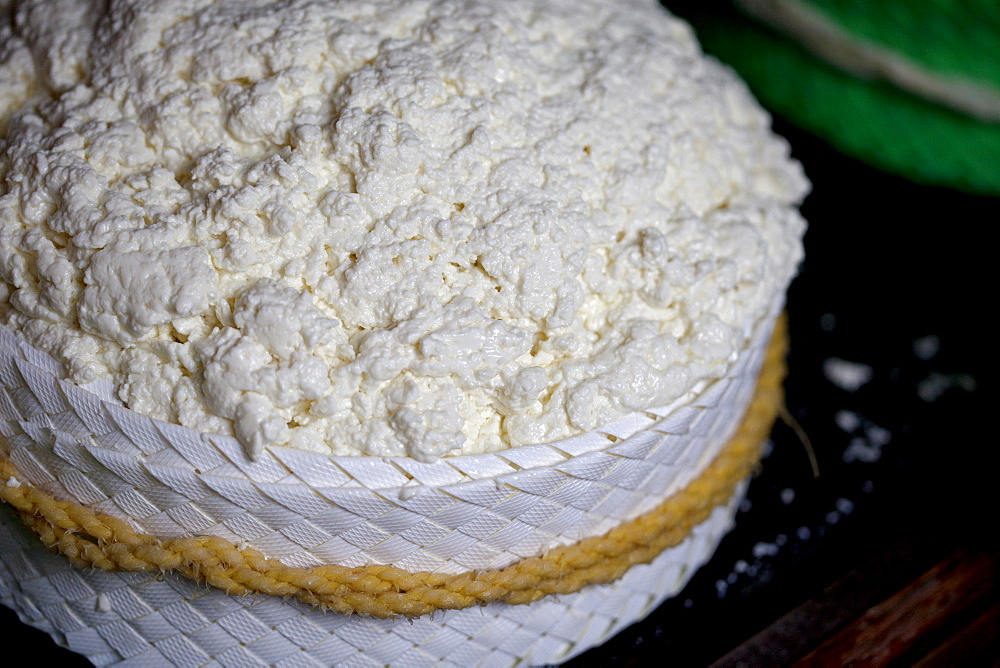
(847, 420)
(384, 228)
(931, 388)
(927, 347)
(849, 376)
(103, 603)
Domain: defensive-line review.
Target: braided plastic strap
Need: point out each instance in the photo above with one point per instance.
(95, 540)
(932, 50)
(956, 38)
(874, 120)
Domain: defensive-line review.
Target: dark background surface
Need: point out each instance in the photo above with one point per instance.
(889, 263)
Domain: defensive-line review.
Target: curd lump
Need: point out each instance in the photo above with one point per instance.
(384, 228)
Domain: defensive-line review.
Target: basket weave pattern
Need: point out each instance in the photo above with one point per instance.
(75, 444)
(159, 620)
(458, 514)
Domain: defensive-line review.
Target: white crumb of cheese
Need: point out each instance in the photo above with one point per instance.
(103, 603)
(926, 347)
(849, 376)
(847, 421)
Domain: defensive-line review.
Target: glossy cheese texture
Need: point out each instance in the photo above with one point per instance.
(385, 228)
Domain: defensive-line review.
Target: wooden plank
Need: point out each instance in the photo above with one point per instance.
(843, 600)
(895, 626)
(976, 644)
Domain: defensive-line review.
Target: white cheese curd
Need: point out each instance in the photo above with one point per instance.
(385, 228)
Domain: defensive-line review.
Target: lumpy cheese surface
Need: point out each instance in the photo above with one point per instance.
(384, 228)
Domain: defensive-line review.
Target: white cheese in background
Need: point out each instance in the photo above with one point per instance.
(384, 228)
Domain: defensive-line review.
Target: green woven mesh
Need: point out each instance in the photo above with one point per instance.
(951, 37)
(874, 121)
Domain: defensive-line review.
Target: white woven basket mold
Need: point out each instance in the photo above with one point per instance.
(461, 513)
(135, 619)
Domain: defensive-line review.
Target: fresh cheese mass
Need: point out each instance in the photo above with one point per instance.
(385, 228)
(401, 234)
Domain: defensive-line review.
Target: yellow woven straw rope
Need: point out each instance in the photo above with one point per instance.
(95, 540)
